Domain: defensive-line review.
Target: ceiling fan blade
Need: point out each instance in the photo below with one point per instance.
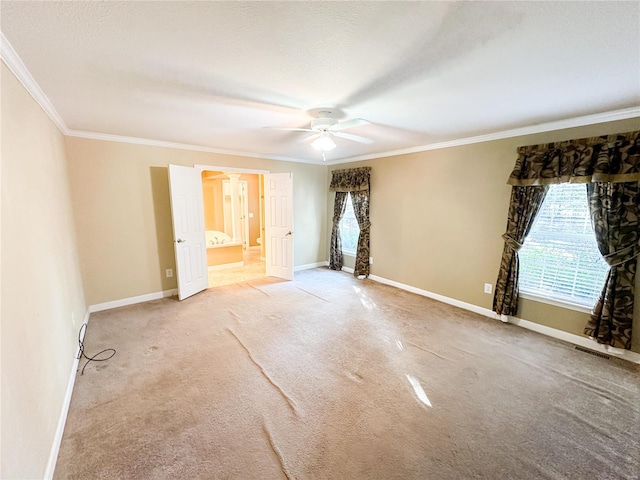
(356, 122)
(310, 138)
(290, 129)
(355, 138)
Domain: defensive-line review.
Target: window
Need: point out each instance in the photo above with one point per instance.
(560, 258)
(349, 230)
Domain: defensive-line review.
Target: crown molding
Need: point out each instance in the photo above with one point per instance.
(19, 69)
(227, 168)
(611, 116)
(13, 61)
(180, 146)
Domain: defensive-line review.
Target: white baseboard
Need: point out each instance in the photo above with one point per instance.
(62, 420)
(99, 307)
(441, 298)
(585, 342)
(582, 341)
(310, 265)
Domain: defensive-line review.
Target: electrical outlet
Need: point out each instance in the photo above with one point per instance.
(169, 272)
(250, 215)
(370, 260)
(488, 288)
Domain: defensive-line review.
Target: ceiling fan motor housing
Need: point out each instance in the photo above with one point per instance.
(322, 123)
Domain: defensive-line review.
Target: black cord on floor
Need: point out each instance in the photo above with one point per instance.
(93, 358)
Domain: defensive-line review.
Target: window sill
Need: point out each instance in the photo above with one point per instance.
(556, 303)
(349, 254)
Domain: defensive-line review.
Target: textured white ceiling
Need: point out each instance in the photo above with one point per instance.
(215, 73)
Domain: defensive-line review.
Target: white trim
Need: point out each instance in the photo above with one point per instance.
(311, 265)
(99, 307)
(536, 327)
(611, 116)
(224, 266)
(180, 146)
(214, 168)
(556, 303)
(15, 64)
(62, 420)
(20, 70)
(436, 296)
(576, 339)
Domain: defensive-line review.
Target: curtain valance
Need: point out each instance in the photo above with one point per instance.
(612, 158)
(350, 180)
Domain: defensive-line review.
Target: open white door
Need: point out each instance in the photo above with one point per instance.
(278, 196)
(187, 213)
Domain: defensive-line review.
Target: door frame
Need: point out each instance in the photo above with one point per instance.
(246, 242)
(245, 213)
(256, 171)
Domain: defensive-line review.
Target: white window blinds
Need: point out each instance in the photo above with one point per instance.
(349, 229)
(560, 258)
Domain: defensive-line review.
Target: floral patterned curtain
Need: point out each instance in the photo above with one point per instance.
(610, 165)
(356, 182)
(360, 202)
(613, 158)
(335, 252)
(350, 180)
(523, 208)
(615, 210)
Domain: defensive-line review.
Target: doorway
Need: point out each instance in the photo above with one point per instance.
(233, 205)
(190, 236)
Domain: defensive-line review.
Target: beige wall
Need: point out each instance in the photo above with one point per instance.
(120, 193)
(212, 199)
(42, 298)
(437, 218)
(218, 205)
(253, 203)
(214, 203)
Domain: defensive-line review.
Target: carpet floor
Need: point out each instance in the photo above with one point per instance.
(330, 377)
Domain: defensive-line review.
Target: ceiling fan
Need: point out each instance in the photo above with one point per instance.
(325, 125)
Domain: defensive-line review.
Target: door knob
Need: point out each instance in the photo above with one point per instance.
(288, 233)
(180, 240)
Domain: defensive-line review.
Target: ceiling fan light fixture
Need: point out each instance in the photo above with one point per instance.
(324, 143)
